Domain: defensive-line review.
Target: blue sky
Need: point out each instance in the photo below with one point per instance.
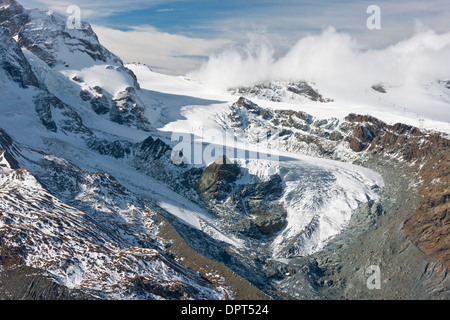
(216, 23)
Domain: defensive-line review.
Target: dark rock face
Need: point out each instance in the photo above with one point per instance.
(99, 102)
(264, 221)
(257, 213)
(44, 112)
(10, 256)
(379, 88)
(248, 105)
(85, 95)
(8, 149)
(263, 215)
(265, 190)
(303, 88)
(71, 121)
(14, 63)
(216, 178)
(116, 149)
(154, 148)
(127, 109)
(100, 105)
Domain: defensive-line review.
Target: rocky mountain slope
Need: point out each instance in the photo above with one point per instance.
(81, 232)
(426, 153)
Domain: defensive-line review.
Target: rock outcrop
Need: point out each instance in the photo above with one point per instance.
(280, 91)
(429, 154)
(216, 179)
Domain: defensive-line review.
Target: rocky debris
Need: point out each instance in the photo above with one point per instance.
(12, 16)
(264, 221)
(429, 154)
(234, 286)
(339, 271)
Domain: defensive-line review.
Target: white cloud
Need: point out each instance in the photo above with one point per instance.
(174, 54)
(333, 60)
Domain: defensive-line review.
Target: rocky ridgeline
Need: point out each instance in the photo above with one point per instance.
(279, 91)
(358, 137)
(428, 153)
(35, 27)
(44, 35)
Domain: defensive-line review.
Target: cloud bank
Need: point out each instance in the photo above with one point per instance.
(332, 60)
(165, 52)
